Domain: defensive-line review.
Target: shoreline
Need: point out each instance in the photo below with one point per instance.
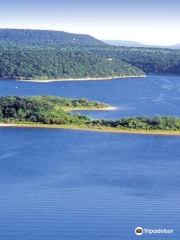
(76, 79)
(92, 129)
(165, 74)
(69, 109)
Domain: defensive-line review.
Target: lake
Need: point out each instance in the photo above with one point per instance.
(154, 95)
(78, 185)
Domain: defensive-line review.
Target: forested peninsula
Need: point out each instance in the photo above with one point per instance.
(46, 63)
(47, 55)
(53, 112)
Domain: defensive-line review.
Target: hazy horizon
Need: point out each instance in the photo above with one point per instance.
(150, 22)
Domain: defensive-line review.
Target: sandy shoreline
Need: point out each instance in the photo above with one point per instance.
(77, 79)
(92, 129)
(69, 109)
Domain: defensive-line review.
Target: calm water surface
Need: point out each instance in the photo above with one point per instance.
(154, 95)
(77, 185)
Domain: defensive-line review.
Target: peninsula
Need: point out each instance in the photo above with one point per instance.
(53, 112)
(48, 55)
(40, 55)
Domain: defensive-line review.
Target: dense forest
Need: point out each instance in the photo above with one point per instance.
(150, 60)
(49, 110)
(43, 109)
(37, 54)
(47, 63)
(166, 123)
(48, 37)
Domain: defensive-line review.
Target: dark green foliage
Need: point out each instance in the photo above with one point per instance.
(143, 123)
(58, 102)
(43, 109)
(150, 60)
(37, 54)
(49, 110)
(46, 37)
(55, 63)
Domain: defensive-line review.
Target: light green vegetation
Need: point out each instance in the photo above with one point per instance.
(47, 110)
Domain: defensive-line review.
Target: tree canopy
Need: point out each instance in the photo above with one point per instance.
(48, 37)
(37, 54)
(149, 60)
(47, 63)
(50, 110)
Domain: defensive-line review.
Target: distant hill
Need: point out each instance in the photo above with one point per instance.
(46, 37)
(177, 46)
(39, 54)
(124, 43)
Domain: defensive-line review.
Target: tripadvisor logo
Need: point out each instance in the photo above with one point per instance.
(139, 231)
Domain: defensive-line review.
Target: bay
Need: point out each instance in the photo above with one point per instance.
(67, 184)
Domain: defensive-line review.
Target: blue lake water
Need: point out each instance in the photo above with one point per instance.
(154, 95)
(78, 185)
